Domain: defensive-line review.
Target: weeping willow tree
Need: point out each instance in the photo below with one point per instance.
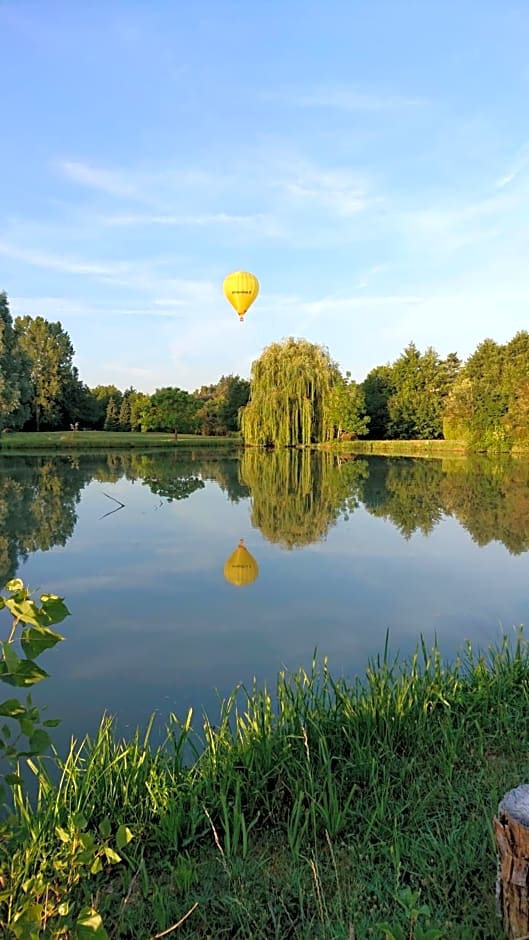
(291, 395)
(297, 495)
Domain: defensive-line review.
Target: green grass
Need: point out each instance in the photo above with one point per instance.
(302, 814)
(107, 440)
(433, 448)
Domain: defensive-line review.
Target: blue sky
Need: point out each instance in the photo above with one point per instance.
(368, 161)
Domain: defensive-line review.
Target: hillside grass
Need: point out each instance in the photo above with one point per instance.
(304, 812)
(105, 440)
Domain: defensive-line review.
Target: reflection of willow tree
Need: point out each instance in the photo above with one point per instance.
(405, 491)
(490, 499)
(38, 496)
(297, 495)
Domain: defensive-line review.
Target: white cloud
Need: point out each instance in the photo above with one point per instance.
(114, 182)
(40, 259)
(338, 191)
(347, 98)
(518, 165)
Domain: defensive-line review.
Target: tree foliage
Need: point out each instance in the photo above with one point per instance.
(293, 397)
(50, 353)
(15, 389)
(488, 405)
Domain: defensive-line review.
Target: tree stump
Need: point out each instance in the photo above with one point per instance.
(511, 829)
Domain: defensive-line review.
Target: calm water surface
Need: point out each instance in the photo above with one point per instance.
(346, 549)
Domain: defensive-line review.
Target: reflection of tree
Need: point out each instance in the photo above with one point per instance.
(169, 474)
(38, 498)
(297, 495)
(406, 491)
(490, 499)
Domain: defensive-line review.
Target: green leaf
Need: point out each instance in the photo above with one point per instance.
(123, 837)
(14, 780)
(89, 926)
(27, 674)
(2, 602)
(12, 707)
(80, 821)
(53, 608)
(10, 658)
(51, 722)
(35, 640)
(26, 610)
(111, 856)
(15, 585)
(27, 726)
(97, 866)
(39, 741)
(105, 827)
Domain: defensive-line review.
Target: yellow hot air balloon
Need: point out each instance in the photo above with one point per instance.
(241, 568)
(240, 290)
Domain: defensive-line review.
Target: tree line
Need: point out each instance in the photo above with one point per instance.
(40, 389)
(296, 394)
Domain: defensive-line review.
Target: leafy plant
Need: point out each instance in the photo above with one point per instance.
(18, 667)
(409, 901)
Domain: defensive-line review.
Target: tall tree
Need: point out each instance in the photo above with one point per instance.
(421, 383)
(378, 388)
(124, 413)
(112, 416)
(102, 395)
(15, 388)
(291, 395)
(50, 353)
(172, 409)
(347, 408)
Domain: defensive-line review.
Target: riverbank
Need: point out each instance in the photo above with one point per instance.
(434, 448)
(104, 440)
(305, 813)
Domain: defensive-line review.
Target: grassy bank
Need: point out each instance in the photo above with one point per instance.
(104, 440)
(433, 448)
(305, 814)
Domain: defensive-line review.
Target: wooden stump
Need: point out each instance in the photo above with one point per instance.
(511, 829)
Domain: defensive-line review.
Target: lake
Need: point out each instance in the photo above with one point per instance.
(346, 548)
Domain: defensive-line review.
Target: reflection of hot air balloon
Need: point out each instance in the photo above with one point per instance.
(241, 289)
(241, 568)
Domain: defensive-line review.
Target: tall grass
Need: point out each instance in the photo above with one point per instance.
(305, 811)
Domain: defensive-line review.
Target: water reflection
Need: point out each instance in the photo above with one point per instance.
(241, 567)
(295, 496)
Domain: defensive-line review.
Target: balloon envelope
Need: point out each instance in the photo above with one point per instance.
(241, 568)
(240, 290)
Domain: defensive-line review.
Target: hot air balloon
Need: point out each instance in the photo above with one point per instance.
(241, 568)
(240, 290)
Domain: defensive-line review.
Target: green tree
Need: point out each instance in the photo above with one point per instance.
(50, 354)
(15, 387)
(291, 390)
(112, 416)
(102, 395)
(172, 409)
(421, 384)
(378, 388)
(347, 409)
(479, 401)
(140, 410)
(124, 413)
